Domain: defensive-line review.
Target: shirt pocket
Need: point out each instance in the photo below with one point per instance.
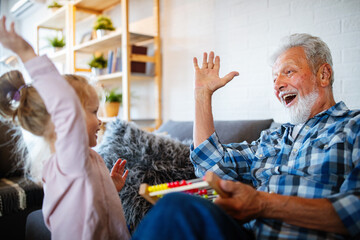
(265, 163)
(329, 142)
(267, 154)
(329, 155)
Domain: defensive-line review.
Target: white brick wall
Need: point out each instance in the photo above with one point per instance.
(244, 33)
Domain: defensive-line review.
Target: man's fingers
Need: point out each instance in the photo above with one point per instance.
(228, 77)
(211, 60)
(228, 186)
(204, 63)
(217, 63)
(196, 66)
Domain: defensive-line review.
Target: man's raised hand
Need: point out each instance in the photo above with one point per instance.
(207, 77)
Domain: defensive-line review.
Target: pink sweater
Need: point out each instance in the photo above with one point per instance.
(80, 200)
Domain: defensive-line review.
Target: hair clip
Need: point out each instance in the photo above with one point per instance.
(16, 96)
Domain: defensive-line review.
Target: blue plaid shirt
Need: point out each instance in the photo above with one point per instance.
(323, 161)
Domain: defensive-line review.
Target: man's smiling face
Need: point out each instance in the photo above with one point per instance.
(295, 84)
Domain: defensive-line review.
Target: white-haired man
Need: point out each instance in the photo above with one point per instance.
(304, 176)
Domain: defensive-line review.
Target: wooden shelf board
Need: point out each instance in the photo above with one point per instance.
(117, 76)
(96, 5)
(109, 41)
(57, 19)
(59, 56)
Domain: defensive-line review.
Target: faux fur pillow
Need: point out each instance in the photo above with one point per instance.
(151, 159)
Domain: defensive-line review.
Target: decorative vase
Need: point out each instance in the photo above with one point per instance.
(101, 33)
(54, 9)
(97, 71)
(112, 109)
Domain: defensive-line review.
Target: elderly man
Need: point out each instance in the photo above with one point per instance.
(304, 176)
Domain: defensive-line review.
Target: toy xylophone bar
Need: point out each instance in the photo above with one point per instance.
(201, 184)
(211, 181)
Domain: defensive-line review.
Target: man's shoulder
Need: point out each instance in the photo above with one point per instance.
(342, 113)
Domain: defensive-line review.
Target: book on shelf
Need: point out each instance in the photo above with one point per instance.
(113, 64)
(110, 61)
(138, 67)
(114, 61)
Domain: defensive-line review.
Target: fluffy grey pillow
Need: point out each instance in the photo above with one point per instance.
(151, 159)
(11, 156)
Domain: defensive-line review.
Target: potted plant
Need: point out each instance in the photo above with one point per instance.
(103, 25)
(113, 101)
(54, 6)
(97, 64)
(57, 43)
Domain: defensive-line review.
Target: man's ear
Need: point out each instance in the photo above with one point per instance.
(324, 74)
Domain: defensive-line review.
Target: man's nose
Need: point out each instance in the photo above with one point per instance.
(280, 83)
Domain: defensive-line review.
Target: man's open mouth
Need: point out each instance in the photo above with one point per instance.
(288, 98)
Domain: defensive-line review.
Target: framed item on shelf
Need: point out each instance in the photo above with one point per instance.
(86, 37)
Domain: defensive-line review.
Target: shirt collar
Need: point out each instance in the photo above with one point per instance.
(338, 110)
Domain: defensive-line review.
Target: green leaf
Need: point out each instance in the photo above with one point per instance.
(113, 96)
(57, 42)
(98, 62)
(103, 22)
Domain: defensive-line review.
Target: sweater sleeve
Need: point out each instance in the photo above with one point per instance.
(66, 114)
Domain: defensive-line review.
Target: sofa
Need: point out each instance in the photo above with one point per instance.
(18, 195)
(153, 158)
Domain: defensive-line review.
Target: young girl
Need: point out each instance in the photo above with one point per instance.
(80, 199)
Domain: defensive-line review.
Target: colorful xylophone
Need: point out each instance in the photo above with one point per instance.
(208, 187)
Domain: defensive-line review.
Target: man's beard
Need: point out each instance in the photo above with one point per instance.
(300, 112)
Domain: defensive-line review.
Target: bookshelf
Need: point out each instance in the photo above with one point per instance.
(65, 21)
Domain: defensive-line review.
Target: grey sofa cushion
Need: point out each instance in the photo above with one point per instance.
(228, 131)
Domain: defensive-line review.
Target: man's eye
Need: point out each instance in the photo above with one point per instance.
(289, 72)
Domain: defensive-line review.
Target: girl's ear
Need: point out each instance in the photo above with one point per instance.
(324, 74)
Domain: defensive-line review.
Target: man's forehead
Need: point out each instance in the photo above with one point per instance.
(283, 64)
(292, 56)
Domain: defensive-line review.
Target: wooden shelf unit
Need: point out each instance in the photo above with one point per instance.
(108, 42)
(65, 19)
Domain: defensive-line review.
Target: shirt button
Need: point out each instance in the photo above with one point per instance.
(307, 127)
(326, 146)
(261, 155)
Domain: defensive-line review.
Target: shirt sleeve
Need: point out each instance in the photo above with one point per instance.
(66, 114)
(231, 161)
(347, 203)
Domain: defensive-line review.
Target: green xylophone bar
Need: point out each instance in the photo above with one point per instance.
(202, 187)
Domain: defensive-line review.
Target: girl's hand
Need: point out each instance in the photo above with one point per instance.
(207, 77)
(117, 174)
(11, 40)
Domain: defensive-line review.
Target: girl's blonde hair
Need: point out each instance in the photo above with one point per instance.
(23, 105)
